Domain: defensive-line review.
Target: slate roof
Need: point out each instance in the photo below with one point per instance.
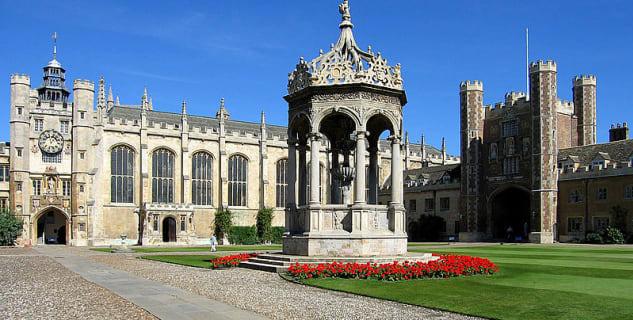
(385, 145)
(434, 173)
(617, 151)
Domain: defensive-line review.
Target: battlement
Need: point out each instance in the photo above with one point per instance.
(584, 80)
(542, 66)
(83, 84)
(584, 172)
(474, 85)
(513, 96)
(564, 106)
(17, 78)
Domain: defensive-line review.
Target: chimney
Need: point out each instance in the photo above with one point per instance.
(618, 132)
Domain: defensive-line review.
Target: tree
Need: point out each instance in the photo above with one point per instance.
(10, 228)
(264, 224)
(223, 223)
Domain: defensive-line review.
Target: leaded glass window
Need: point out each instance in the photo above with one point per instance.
(238, 171)
(202, 179)
(121, 175)
(162, 176)
(281, 184)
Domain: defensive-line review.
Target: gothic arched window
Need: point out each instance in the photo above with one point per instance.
(238, 171)
(202, 179)
(122, 175)
(281, 184)
(163, 176)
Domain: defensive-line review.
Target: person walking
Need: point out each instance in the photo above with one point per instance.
(214, 241)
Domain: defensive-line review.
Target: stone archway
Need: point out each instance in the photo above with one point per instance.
(51, 227)
(169, 229)
(511, 208)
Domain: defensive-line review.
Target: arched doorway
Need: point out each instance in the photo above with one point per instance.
(169, 230)
(511, 208)
(52, 227)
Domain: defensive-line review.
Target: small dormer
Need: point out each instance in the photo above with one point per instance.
(446, 177)
(423, 179)
(569, 164)
(600, 160)
(410, 180)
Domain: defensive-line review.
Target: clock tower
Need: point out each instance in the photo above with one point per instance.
(42, 188)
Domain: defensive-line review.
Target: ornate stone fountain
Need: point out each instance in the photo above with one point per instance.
(343, 100)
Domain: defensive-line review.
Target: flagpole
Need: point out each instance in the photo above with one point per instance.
(527, 65)
(55, 45)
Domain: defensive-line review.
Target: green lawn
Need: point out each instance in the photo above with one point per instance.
(426, 244)
(200, 261)
(208, 249)
(533, 282)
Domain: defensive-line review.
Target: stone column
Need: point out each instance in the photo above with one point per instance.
(291, 180)
(359, 186)
(302, 174)
(291, 174)
(396, 171)
(373, 175)
(335, 191)
(315, 182)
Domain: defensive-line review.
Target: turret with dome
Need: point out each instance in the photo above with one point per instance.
(53, 87)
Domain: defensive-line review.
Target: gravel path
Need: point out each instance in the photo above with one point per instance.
(268, 294)
(37, 287)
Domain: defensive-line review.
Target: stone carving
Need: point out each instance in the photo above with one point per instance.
(345, 63)
(337, 220)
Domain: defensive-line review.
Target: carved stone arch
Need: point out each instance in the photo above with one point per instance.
(299, 125)
(322, 114)
(37, 224)
(296, 116)
(46, 209)
(166, 148)
(395, 123)
(505, 187)
(192, 154)
(122, 144)
(243, 155)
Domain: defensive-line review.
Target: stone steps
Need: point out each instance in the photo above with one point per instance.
(280, 263)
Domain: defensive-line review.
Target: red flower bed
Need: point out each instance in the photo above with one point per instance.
(445, 267)
(231, 261)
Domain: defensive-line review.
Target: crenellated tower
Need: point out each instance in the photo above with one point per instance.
(472, 114)
(584, 93)
(543, 99)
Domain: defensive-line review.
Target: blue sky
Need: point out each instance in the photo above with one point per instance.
(201, 51)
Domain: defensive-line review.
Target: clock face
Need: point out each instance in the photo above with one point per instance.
(51, 141)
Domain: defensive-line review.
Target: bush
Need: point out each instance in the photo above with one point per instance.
(613, 235)
(619, 215)
(264, 224)
(223, 222)
(593, 237)
(244, 235)
(278, 233)
(427, 228)
(10, 228)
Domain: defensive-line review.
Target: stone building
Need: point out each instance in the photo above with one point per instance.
(91, 170)
(4, 175)
(593, 180)
(532, 163)
(509, 154)
(433, 191)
